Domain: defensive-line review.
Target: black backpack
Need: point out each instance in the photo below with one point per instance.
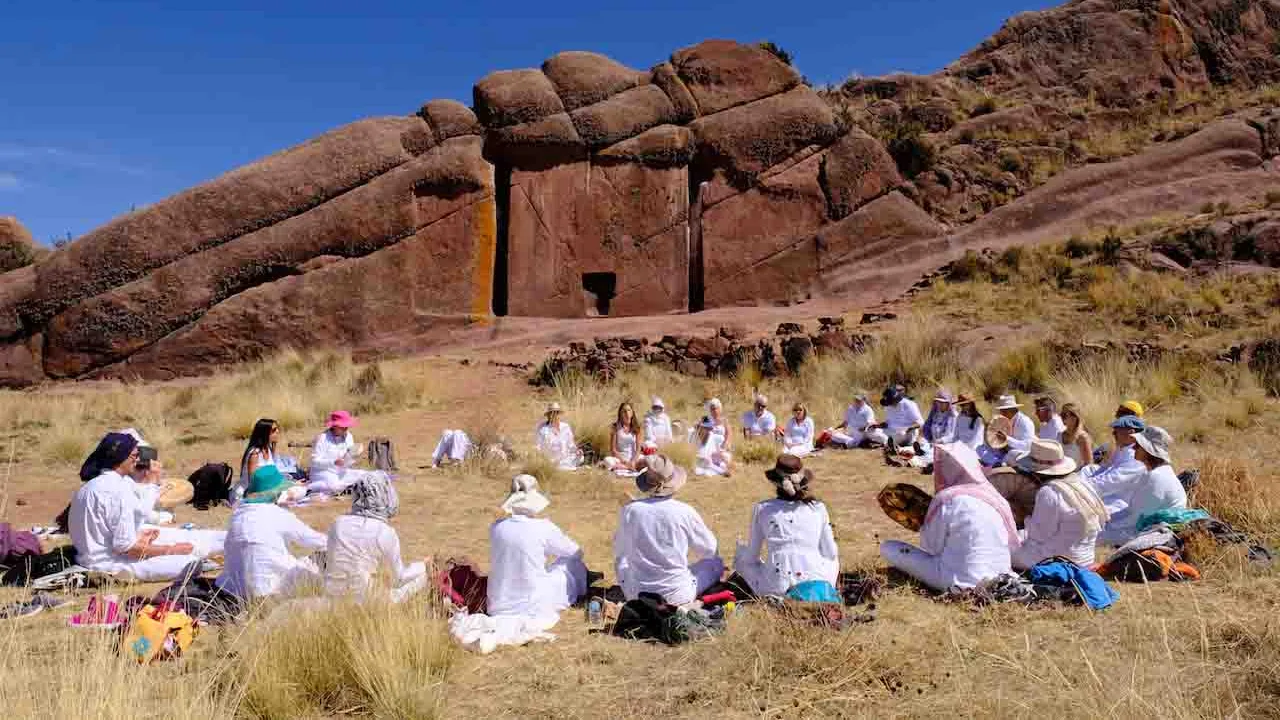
(382, 455)
(212, 485)
(649, 617)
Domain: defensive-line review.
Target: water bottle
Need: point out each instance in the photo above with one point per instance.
(188, 526)
(595, 613)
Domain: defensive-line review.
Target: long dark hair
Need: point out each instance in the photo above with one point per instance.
(260, 439)
(634, 427)
(970, 410)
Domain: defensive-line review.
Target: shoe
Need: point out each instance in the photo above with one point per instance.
(594, 577)
(891, 446)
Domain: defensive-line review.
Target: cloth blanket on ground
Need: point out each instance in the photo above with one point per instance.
(483, 634)
(1092, 590)
(1171, 517)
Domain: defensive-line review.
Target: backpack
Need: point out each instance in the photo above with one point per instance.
(34, 567)
(212, 485)
(382, 455)
(158, 633)
(1148, 565)
(649, 617)
(461, 585)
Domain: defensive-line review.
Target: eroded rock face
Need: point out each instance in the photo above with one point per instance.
(17, 249)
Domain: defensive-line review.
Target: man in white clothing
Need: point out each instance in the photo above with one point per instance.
(1116, 481)
(105, 516)
(1068, 514)
(1051, 424)
(657, 535)
(1024, 430)
(522, 582)
(332, 455)
(902, 419)
(759, 422)
(859, 423)
(657, 424)
(555, 440)
(1157, 489)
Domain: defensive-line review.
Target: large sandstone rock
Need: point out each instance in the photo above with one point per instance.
(539, 144)
(857, 169)
(665, 77)
(17, 249)
(581, 218)
(749, 139)
(15, 287)
(20, 363)
(586, 78)
(891, 221)
(450, 119)
(624, 115)
(511, 97)
(254, 196)
(721, 74)
(663, 146)
(113, 325)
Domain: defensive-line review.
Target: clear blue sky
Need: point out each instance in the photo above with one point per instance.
(107, 104)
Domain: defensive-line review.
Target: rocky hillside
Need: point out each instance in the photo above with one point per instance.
(715, 179)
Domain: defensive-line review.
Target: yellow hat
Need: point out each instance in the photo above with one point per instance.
(1134, 406)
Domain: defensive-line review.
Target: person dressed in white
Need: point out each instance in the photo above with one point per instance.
(759, 422)
(940, 426)
(1024, 430)
(798, 436)
(1076, 441)
(1118, 480)
(554, 439)
(858, 426)
(715, 411)
(657, 424)
(656, 537)
(971, 427)
(968, 533)
(259, 451)
(712, 458)
(1159, 489)
(794, 530)
(522, 582)
(1051, 423)
(260, 538)
(624, 442)
(1068, 514)
(363, 541)
(104, 520)
(902, 419)
(452, 448)
(332, 456)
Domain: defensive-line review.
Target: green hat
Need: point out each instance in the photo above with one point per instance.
(266, 485)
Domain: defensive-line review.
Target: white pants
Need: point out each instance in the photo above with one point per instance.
(206, 542)
(332, 482)
(915, 562)
(706, 572)
(157, 569)
(850, 439)
(901, 436)
(716, 465)
(618, 466)
(453, 446)
(799, 450)
(569, 578)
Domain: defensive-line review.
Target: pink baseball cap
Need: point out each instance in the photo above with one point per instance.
(342, 419)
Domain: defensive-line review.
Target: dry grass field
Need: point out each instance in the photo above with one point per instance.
(1208, 649)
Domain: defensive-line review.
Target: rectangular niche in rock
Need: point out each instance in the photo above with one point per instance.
(598, 289)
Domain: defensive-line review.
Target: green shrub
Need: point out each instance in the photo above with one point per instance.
(1026, 369)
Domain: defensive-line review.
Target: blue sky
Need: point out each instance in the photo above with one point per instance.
(111, 104)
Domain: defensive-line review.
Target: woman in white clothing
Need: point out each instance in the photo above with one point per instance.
(260, 540)
(712, 458)
(657, 424)
(104, 520)
(554, 439)
(715, 411)
(332, 456)
(260, 451)
(794, 530)
(859, 423)
(363, 541)
(624, 441)
(798, 436)
(1068, 513)
(971, 428)
(656, 537)
(522, 581)
(968, 533)
(1076, 441)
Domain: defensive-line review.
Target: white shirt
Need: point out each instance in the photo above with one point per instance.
(652, 546)
(326, 452)
(967, 538)
(519, 582)
(1052, 429)
(971, 431)
(799, 543)
(1056, 528)
(104, 520)
(1024, 431)
(761, 425)
(657, 428)
(709, 460)
(258, 557)
(626, 442)
(557, 443)
(1157, 489)
(358, 547)
(799, 433)
(903, 415)
(856, 419)
(1117, 481)
(942, 426)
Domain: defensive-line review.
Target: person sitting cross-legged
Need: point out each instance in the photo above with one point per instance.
(1068, 514)
(795, 532)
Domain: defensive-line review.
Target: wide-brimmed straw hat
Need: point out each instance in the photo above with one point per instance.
(944, 395)
(341, 419)
(657, 403)
(1047, 458)
(661, 477)
(525, 497)
(553, 408)
(963, 399)
(1155, 440)
(788, 467)
(1007, 402)
(998, 426)
(174, 493)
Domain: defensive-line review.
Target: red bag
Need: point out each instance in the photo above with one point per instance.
(462, 586)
